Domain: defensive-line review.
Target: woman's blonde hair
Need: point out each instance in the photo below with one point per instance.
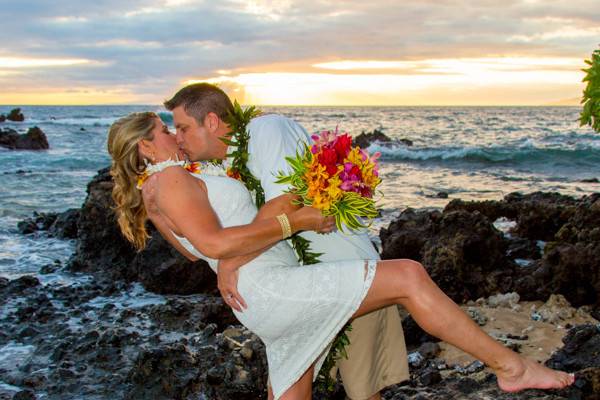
(123, 137)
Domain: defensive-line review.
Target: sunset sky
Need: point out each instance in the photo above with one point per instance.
(426, 52)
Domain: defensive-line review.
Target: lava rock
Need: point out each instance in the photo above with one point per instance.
(65, 225)
(462, 251)
(34, 139)
(159, 267)
(15, 115)
(364, 140)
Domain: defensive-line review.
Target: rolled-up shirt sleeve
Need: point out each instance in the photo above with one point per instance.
(272, 139)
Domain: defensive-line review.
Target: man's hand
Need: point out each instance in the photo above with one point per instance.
(227, 280)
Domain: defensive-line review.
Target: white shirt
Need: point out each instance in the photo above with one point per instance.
(272, 139)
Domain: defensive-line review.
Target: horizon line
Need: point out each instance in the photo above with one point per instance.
(298, 105)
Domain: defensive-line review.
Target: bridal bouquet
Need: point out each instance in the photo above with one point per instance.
(335, 177)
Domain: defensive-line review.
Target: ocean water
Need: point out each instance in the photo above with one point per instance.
(472, 153)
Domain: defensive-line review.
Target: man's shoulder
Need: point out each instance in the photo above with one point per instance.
(267, 122)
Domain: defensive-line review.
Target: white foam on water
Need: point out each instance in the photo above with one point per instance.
(504, 225)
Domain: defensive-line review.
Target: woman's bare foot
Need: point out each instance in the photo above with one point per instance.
(532, 375)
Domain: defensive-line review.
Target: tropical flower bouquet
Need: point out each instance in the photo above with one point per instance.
(335, 177)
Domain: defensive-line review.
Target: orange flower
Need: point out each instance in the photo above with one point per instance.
(232, 173)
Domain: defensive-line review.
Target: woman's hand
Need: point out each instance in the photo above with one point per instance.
(227, 280)
(311, 219)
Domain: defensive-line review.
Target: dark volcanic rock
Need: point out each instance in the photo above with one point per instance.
(364, 140)
(219, 372)
(2, 118)
(65, 225)
(34, 139)
(161, 269)
(38, 222)
(62, 225)
(581, 349)
(101, 248)
(524, 249)
(15, 115)
(539, 215)
(570, 264)
(462, 251)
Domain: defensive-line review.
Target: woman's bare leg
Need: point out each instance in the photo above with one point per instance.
(302, 389)
(406, 282)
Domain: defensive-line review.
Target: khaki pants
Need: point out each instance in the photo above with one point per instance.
(376, 355)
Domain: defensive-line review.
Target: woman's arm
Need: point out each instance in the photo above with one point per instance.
(181, 200)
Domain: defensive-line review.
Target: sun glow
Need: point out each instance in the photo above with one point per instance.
(493, 80)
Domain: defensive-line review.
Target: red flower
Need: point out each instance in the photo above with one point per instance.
(342, 145)
(355, 171)
(331, 169)
(328, 157)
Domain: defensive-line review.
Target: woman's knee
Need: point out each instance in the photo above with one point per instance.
(412, 273)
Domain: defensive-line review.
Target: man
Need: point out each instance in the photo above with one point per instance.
(377, 353)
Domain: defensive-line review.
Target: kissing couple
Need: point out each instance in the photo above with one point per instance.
(296, 310)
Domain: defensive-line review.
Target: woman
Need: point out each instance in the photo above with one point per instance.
(296, 310)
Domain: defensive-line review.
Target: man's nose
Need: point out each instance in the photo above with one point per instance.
(178, 138)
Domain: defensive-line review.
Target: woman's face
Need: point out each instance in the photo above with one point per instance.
(165, 146)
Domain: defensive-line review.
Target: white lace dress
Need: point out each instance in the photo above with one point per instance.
(296, 310)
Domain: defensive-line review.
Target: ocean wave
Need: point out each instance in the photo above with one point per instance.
(85, 121)
(527, 153)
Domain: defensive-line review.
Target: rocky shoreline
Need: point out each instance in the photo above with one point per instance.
(105, 336)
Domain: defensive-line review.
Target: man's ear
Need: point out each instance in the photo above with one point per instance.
(212, 122)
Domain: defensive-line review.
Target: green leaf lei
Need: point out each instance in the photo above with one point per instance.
(238, 121)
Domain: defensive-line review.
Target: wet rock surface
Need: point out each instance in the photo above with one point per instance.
(104, 336)
(109, 340)
(34, 139)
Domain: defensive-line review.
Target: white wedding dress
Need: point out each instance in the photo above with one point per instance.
(296, 310)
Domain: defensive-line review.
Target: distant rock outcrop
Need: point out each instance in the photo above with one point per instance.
(15, 115)
(365, 139)
(34, 139)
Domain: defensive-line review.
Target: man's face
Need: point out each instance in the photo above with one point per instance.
(196, 140)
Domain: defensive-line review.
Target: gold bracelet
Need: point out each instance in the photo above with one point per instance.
(286, 228)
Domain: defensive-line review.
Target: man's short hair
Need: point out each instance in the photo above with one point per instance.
(198, 99)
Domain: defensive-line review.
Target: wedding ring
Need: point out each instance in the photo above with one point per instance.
(229, 296)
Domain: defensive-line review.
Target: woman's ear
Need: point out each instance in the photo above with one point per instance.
(146, 149)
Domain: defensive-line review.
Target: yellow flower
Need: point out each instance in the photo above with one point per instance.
(333, 190)
(322, 201)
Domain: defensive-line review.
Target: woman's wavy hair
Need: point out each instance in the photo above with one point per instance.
(123, 137)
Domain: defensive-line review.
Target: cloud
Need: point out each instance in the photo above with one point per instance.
(155, 45)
